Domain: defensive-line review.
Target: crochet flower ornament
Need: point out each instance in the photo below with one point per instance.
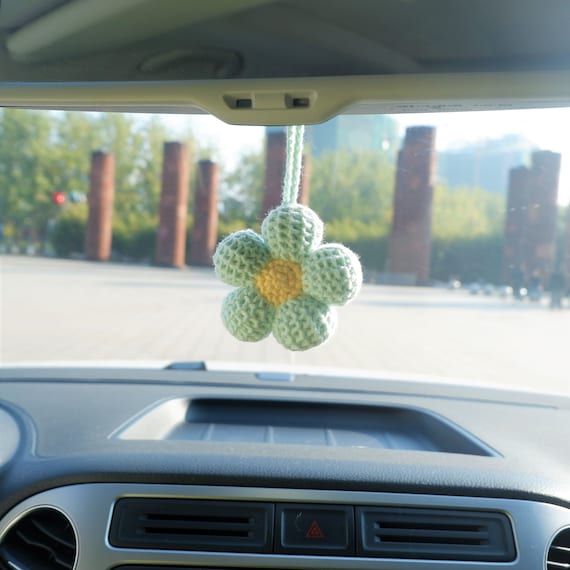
(287, 280)
(286, 277)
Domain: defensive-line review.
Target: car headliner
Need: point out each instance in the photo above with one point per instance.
(284, 62)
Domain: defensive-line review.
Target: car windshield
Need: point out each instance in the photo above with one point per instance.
(108, 224)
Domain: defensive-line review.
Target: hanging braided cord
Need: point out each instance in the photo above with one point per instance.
(293, 164)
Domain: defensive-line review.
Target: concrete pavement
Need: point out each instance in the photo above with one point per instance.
(53, 310)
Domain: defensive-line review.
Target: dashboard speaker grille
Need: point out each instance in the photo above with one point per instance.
(186, 524)
(436, 534)
(559, 552)
(41, 540)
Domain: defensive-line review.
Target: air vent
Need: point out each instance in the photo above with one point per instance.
(435, 534)
(186, 524)
(41, 540)
(559, 552)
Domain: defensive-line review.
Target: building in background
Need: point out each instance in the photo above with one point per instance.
(484, 164)
(355, 132)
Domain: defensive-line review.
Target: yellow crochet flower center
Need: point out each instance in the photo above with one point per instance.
(280, 281)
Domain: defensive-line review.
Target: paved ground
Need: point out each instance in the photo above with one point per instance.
(67, 310)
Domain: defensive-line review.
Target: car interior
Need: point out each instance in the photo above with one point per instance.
(193, 466)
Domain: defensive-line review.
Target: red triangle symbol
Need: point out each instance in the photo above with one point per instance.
(315, 531)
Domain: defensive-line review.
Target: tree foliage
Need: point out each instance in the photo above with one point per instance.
(42, 152)
(460, 213)
(241, 190)
(353, 186)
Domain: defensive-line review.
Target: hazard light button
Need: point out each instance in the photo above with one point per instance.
(315, 529)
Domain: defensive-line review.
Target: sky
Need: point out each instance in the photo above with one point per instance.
(549, 129)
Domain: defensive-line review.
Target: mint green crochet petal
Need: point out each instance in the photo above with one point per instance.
(247, 315)
(304, 323)
(239, 257)
(291, 232)
(332, 274)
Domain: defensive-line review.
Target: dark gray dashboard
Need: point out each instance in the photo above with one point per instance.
(69, 435)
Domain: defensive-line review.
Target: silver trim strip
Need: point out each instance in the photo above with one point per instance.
(90, 508)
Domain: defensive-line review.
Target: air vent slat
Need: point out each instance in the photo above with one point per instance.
(197, 532)
(198, 518)
(34, 542)
(418, 524)
(413, 535)
(54, 536)
(189, 524)
(41, 540)
(559, 552)
(434, 534)
(203, 527)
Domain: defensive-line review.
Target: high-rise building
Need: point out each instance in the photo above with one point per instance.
(485, 164)
(355, 132)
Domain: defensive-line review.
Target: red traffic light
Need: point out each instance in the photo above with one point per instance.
(58, 198)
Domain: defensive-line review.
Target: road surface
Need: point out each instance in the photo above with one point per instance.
(56, 310)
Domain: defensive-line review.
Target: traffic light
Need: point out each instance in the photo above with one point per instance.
(58, 198)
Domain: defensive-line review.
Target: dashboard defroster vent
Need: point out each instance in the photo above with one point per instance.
(187, 524)
(559, 552)
(43, 539)
(435, 534)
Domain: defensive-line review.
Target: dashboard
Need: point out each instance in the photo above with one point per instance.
(190, 468)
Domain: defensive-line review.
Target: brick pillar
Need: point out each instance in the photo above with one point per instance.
(305, 184)
(275, 154)
(516, 226)
(171, 237)
(205, 228)
(410, 240)
(99, 229)
(542, 213)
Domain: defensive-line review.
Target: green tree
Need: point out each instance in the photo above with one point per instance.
(75, 137)
(25, 151)
(149, 165)
(467, 233)
(241, 189)
(353, 185)
(460, 213)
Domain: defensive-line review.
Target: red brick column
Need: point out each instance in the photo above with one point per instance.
(542, 212)
(171, 237)
(516, 225)
(99, 231)
(410, 240)
(275, 154)
(305, 184)
(205, 228)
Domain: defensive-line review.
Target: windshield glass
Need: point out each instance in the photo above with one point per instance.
(108, 223)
